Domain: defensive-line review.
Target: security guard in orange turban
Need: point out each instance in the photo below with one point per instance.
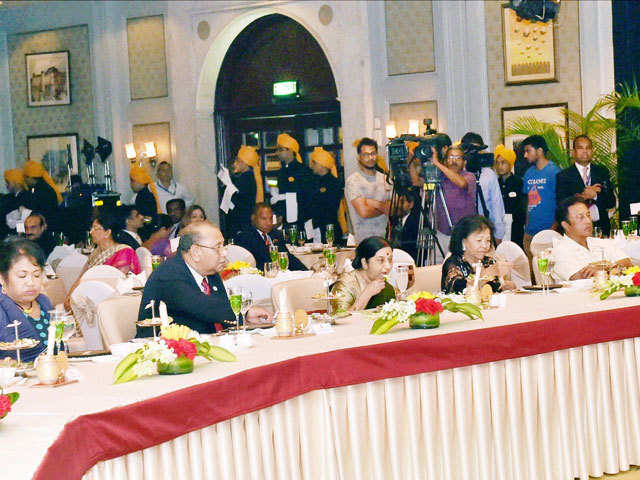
(293, 177)
(142, 184)
(515, 202)
(327, 192)
(247, 178)
(44, 196)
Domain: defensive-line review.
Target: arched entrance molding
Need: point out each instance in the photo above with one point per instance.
(208, 76)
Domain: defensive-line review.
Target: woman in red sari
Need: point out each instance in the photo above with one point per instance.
(108, 251)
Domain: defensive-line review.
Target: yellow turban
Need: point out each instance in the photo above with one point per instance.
(249, 156)
(15, 177)
(140, 175)
(324, 158)
(411, 146)
(287, 141)
(36, 170)
(506, 153)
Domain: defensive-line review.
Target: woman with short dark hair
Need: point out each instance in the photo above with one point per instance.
(472, 243)
(366, 287)
(21, 273)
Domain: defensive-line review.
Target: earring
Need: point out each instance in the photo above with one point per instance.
(463, 247)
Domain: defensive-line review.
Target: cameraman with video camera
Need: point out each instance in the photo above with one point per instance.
(480, 163)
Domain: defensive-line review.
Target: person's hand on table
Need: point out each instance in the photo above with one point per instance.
(586, 272)
(259, 315)
(508, 285)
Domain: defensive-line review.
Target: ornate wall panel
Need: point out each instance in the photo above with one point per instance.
(409, 27)
(76, 117)
(147, 58)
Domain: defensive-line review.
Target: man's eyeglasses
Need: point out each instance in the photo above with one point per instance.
(370, 155)
(217, 249)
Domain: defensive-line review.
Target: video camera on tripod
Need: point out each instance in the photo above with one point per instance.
(398, 153)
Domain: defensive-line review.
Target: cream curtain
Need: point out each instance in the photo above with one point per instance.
(560, 415)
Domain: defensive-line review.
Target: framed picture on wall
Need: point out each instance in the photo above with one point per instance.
(529, 49)
(555, 113)
(48, 79)
(58, 154)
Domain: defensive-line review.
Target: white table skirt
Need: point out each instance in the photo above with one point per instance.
(555, 416)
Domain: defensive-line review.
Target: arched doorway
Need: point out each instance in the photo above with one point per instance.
(275, 48)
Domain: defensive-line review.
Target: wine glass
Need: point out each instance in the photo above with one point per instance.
(247, 301)
(273, 253)
(543, 264)
(329, 234)
(293, 235)
(283, 261)
(402, 278)
(235, 299)
(302, 238)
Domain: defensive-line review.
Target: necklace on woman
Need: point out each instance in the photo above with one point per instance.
(28, 310)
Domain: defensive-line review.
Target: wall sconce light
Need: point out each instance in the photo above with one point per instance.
(150, 149)
(414, 127)
(130, 151)
(391, 130)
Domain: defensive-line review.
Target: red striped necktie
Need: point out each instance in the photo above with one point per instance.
(206, 289)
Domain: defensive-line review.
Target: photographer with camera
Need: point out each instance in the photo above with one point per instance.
(480, 163)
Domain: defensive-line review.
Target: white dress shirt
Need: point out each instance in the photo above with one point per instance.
(175, 190)
(585, 173)
(198, 278)
(571, 257)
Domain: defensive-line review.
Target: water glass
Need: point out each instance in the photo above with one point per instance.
(597, 232)
(543, 264)
(330, 234)
(302, 238)
(634, 224)
(156, 260)
(247, 301)
(283, 261)
(330, 254)
(271, 269)
(402, 278)
(235, 300)
(613, 233)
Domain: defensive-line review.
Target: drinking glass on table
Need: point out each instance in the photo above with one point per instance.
(271, 269)
(543, 265)
(597, 232)
(293, 235)
(247, 301)
(283, 261)
(156, 261)
(613, 233)
(330, 234)
(402, 279)
(273, 253)
(235, 299)
(302, 238)
(626, 227)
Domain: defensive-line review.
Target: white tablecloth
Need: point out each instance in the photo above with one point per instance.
(554, 415)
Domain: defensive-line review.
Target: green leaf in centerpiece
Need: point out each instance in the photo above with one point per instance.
(222, 354)
(13, 397)
(383, 325)
(124, 370)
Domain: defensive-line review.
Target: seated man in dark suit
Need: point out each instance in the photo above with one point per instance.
(261, 235)
(130, 222)
(589, 182)
(190, 285)
(35, 229)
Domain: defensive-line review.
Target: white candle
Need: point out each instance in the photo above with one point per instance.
(163, 314)
(51, 340)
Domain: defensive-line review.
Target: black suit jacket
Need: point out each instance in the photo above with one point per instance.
(252, 241)
(569, 182)
(127, 239)
(43, 199)
(173, 283)
(146, 203)
(297, 178)
(409, 237)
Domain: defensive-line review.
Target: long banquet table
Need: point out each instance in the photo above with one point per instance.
(547, 388)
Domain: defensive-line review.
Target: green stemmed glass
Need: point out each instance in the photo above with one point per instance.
(543, 263)
(235, 299)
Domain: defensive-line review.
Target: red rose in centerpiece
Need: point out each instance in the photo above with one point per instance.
(5, 405)
(636, 279)
(227, 274)
(428, 305)
(182, 347)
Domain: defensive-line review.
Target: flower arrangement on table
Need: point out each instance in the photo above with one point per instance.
(172, 353)
(420, 310)
(7, 399)
(629, 281)
(236, 268)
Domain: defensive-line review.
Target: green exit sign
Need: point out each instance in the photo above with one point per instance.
(285, 89)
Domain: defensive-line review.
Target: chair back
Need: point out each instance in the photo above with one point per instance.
(58, 253)
(105, 273)
(427, 278)
(236, 253)
(511, 252)
(144, 256)
(543, 240)
(84, 302)
(294, 294)
(117, 318)
(400, 256)
(70, 267)
(260, 286)
(508, 224)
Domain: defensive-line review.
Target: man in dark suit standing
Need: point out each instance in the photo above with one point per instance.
(588, 181)
(261, 235)
(190, 285)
